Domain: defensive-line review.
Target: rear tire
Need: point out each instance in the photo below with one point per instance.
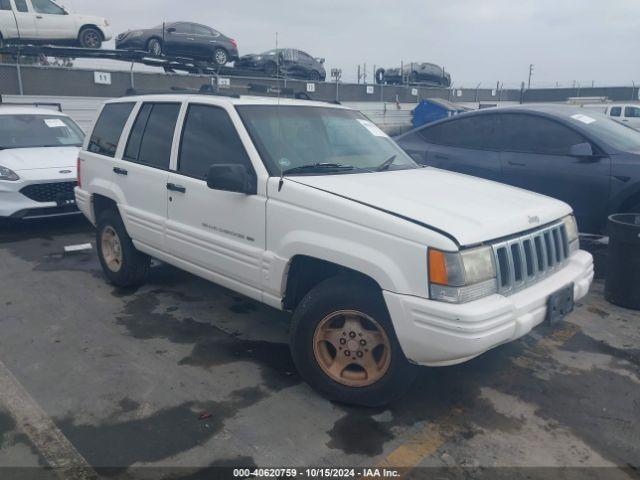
(363, 363)
(220, 57)
(154, 47)
(122, 263)
(90, 38)
(314, 76)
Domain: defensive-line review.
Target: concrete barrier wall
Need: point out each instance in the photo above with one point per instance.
(80, 82)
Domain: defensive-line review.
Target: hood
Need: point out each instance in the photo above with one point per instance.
(470, 209)
(21, 159)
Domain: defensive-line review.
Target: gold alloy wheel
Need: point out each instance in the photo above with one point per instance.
(352, 348)
(111, 249)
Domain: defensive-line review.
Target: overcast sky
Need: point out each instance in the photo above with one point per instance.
(478, 41)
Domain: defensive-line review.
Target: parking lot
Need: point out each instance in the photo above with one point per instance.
(184, 374)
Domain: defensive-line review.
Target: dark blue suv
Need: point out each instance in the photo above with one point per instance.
(569, 153)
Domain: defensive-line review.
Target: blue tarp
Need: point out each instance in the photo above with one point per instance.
(431, 110)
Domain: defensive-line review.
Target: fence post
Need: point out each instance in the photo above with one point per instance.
(19, 71)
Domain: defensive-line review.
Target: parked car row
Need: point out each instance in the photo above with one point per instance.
(414, 74)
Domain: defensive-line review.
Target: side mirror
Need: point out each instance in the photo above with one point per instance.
(231, 177)
(581, 150)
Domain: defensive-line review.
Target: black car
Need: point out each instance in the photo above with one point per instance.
(286, 61)
(414, 74)
(581, 157)
(183, 39)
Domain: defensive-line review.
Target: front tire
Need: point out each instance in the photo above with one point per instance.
(344, 345)
(90, 38)
(154, 47)
(314, 76)
(122, 263)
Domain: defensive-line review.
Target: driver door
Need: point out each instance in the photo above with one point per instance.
(180, 39)
(536, 156)
(217, 234)
(53, 22)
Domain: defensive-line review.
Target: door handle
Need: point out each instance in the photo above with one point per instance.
(176, 188)
(120, 171)
(517, 164)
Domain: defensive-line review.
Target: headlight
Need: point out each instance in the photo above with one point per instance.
(462, 277)
(258, 58)
(106, 23)
(573, 238)
(8, 174)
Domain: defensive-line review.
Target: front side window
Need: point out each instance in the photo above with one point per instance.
(183, 28)
(32, 131)
(209, 138)
(539, 135)
(5, 5)
(475, 132)
(21, 5)
(632, 112)
(151, 137)
(47, 7)
(615, 111)
(106, 134)
(290, 137)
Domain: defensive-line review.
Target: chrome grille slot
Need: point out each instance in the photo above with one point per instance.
(527, 259)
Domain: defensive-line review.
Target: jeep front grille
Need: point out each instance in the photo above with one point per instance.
(528, 259)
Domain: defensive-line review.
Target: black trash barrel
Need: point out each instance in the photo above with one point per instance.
(623, 272)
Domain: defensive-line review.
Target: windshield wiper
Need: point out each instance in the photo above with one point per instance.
(387, 163)
(313, 167)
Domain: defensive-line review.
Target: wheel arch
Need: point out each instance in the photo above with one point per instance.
(95, 27)
(304, 272)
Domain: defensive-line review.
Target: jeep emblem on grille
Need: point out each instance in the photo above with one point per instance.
(534, 219)
(65, 171)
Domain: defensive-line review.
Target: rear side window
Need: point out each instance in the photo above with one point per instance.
(151, 137)
(615, 111)
(5, 5)
(478, 132)
(209, 137)
(632, 112)
(21, 5)
(106, 134)
(534, 134)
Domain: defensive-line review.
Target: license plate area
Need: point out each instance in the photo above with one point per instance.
(560, 304)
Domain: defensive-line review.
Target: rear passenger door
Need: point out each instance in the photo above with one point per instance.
(141, 173)
(217, 234)
(465, 145)
(536, 156)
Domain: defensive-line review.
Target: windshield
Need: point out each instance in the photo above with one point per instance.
(291, 137)
(613, 133)
(31, 131)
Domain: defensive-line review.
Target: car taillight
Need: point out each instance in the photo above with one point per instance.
(78, 173)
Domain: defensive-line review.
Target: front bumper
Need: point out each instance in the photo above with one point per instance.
(436, 334)
(14, 204)
(107, 32)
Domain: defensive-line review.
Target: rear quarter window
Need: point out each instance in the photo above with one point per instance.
(106, 134)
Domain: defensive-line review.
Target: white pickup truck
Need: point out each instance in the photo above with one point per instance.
(44, 21)
(310, 208)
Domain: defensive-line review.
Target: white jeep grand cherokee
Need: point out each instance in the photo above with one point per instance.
(309, 207)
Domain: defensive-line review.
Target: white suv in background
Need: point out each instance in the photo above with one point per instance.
(628, 114)
(44, 21)
(38, 158)
(309, 207)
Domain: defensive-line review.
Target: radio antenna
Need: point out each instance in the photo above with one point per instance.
(281, 183)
